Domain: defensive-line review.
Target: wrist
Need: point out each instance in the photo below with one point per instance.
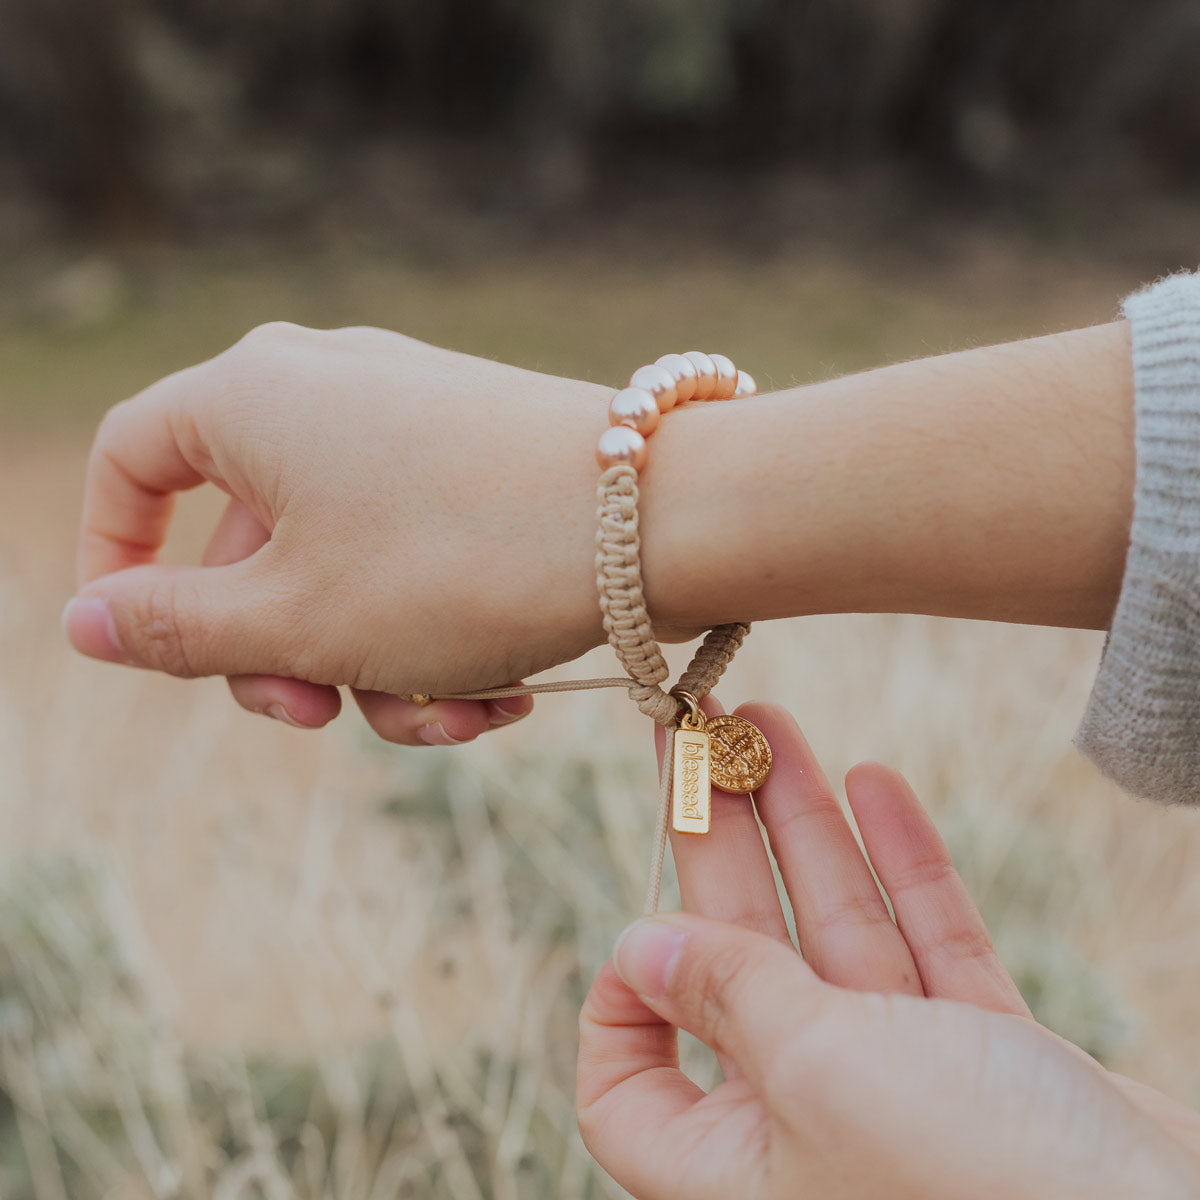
(728, 523)
(568, 506)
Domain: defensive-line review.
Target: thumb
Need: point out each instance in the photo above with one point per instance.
(186, 621)
(740, 992)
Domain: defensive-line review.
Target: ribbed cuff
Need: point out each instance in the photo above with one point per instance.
(1142, 722)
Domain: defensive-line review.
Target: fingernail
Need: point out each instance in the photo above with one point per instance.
(499, 715)
(645, 955)
(434, 734)
(89, 627)
(279, 713)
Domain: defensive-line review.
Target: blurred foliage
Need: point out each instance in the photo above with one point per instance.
(539, 863)
(130, 117)
(99, 1099)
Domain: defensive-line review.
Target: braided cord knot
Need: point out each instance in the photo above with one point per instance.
(623, 607)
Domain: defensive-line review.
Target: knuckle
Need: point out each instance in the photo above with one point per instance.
(966, 943)
(114, 424)
(366, 337)
(819, 817)
(933, 869)
(274, 335)
(262, 363)
(161, 634)
(252, 389)
(373, 337)
(859, 910)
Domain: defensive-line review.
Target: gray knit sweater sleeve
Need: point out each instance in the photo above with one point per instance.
(1142, 723)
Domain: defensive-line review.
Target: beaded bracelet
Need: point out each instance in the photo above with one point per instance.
(726, 750)
(655, 389)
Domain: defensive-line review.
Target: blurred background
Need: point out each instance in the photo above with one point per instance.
(240, 961)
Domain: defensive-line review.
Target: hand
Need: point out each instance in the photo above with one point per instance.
(401, 519)
(896, 1059)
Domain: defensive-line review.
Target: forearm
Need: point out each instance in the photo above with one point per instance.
(434, 529)
(994, 483)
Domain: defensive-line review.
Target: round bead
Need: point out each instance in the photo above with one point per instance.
(726, 377)
(706, 374)
(620, 446)
(636, 408)
(659, 382)
(683, 372)
(745, 385)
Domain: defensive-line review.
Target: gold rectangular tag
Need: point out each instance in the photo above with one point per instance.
(690, 795)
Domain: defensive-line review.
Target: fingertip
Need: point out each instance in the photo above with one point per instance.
(736, 989)
(645, 954)
(88, 624)
(440, 723)
(434, 733)
(871, 770)
(889, 814)
(295, 702)
(870, 782)
(463, 720)
(791, 753)
(508, 710)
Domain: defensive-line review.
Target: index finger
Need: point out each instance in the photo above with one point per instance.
(145, 451)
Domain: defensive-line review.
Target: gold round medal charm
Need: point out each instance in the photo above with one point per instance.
(740, 758)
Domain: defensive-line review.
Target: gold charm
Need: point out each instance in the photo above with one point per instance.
(690, 792)
(740, 758)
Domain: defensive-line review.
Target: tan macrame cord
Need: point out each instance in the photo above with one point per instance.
(631, 634)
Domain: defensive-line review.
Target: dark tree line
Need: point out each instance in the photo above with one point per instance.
(121, 112)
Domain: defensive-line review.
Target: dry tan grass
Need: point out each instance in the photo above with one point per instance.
(284, 909)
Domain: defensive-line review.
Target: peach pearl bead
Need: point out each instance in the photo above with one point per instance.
(726, 377)
(620, 446)
(659, 382)
(745, 385)
(706, 374)
(683, 372)
(636, 408)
